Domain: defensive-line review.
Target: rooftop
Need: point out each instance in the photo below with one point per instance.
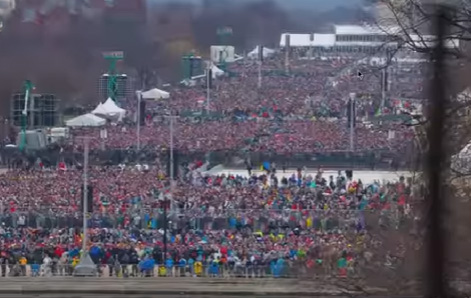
(304, 40)
(364, 30)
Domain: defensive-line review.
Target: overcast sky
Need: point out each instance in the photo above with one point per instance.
(294, 4)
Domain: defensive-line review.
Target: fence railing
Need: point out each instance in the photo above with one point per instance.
(379, 159)
(199, 219)
(198, 269)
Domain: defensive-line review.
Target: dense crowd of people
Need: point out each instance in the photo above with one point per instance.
(258, 224)
(303, 111)
(257, 134)
(231, 220)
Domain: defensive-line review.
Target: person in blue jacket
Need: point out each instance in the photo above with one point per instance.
(146, 266)
(169, 265)
(214, 268)
(182, 266)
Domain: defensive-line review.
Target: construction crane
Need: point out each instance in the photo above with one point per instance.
(113, 58)
(28, 87)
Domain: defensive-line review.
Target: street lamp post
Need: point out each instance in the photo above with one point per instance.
(352, 121)
(168, 201)
(139, 98)
(86, 267)
(172, 168)
(209, 78)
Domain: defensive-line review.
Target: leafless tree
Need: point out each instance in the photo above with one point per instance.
(408, 23)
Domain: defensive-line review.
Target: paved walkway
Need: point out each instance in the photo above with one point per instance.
(173, 286)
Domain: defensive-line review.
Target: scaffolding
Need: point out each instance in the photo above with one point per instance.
(43, 110)
(124, 87)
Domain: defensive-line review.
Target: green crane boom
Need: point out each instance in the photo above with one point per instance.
(113, 58)
(27, 86)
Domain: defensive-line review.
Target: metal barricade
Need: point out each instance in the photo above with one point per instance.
(199, 219)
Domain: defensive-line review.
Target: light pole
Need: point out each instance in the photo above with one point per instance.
(172, 169)
(209, 77)
(139, 98)
(169, 201)
(352, 121)
(259, 74)
(28, 86)
(86, 267)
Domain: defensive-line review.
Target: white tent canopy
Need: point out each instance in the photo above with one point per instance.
(111, 106)
(266, 52)
(86, 120)
(99, 110)
(109, 109)
(216, 71)
(155, 94)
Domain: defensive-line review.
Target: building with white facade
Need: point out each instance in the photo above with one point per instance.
(360, 39)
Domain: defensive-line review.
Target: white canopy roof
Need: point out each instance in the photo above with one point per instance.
(155, 94)
(304, 40)
(109, 109)
(86, 120)
(216, 71)
(99, 110)
(111, 106)
(266, 52)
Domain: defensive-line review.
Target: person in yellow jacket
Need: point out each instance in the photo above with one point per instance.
(198, 268)
(75, 261)
(162, 271)
(23, 261)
